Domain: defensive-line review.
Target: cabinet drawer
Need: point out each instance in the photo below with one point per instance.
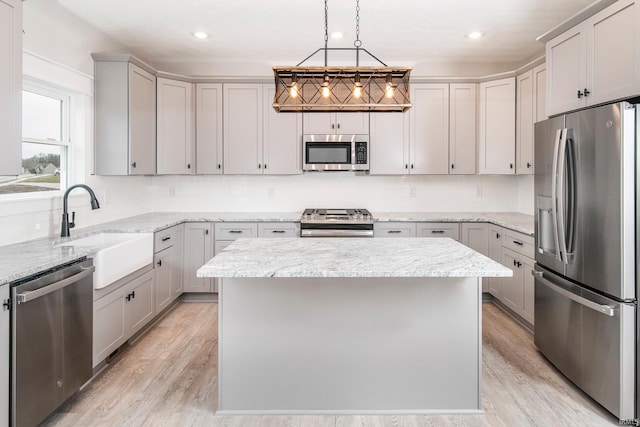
(235, 230)
(278, 229)
(394, 229)
(439, 229)
(164, 239)
(518, 242)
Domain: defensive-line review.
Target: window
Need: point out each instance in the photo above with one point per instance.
(45, 116)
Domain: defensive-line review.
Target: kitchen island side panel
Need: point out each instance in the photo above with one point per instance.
(350, 345)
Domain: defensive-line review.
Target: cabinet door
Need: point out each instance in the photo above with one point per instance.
(566, 62)
(613, 53)
(429, 129)
(524, 123)
(462, 128)
(528, 284)
(513, 287)
(318, 123)
(497, 127)
(394, 229)
(540, 92)
(389, 144)
(176, 262)
(139, 302)
(142, 121)
(5, 315)
(352, 123)
(198, 249)
(164, 272)
(109, 324)
(209, 128)
(175, 121)
(495, 253)
(282, 139)
(10, 88)
(219, 246)
(242, 129)
(476, 236)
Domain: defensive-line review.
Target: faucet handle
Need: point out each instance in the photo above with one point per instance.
(73, 220)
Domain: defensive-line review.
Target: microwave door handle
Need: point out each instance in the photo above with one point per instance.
(560, 200)
(554, 190)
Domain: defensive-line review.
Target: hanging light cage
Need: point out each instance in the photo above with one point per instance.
(383, 89)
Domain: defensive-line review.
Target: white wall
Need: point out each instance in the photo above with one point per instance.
(376, 193)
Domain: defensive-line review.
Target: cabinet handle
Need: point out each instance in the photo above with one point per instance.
(131, 296)
(411, 165)
(259, 166)
(510, 165)
(6, 304)
(265, 165)
(437, 231)
(333, 126)
(497, 235)
(580, 95)
(160, 263)
(452, 166)
(235, 231)
(188, 165)
(164, 239)
(406, 166)
(394, 231)
(133, 165)
(219, 166)
(528, 165)
(338, 125)
(206, 232)
(518, 243)
(586, 92)
(277, 231)
(518, 264)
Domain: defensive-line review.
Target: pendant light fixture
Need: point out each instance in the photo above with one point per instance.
(308, 89)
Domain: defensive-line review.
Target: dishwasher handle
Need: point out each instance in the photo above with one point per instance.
(45, 290)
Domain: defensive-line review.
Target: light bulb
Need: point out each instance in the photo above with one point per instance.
(357, 91)
(326, 92)
(389, 91)
(293, 90)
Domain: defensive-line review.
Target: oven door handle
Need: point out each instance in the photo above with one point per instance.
(45, 290)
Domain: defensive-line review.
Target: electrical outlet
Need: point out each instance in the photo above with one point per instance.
(412, 191)
(172, 191)
(479, 191)
(271, 191)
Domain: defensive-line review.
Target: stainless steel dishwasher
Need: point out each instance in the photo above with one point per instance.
(51, 339)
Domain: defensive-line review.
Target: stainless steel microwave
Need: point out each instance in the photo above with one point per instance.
(335, 152)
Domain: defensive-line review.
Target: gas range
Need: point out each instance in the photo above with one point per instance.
(336, 223)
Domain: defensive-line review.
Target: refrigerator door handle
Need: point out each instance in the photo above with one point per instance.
(560, 195)
(604, 309)
(554, 191)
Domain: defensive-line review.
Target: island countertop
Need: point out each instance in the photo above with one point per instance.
(349, 257)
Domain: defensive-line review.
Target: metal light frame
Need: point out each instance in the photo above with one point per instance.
(326, 89)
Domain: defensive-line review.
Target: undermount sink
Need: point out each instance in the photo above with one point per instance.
(118, 254)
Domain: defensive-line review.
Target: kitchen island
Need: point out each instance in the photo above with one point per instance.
(350, 325)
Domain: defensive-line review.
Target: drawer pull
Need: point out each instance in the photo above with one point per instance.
(277, 231)
(235, 231)
(518, 243)
(394, 231)
(164, 239)
(437, 231)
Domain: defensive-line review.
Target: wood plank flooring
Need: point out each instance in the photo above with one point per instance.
(169, 378)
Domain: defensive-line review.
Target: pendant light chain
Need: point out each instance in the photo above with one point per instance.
(357, 43)
(326, 30)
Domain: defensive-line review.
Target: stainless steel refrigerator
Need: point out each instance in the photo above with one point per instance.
(586, 216)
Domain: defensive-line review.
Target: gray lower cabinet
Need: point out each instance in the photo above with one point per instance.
(495, 253)
(4, 355)
(198, 250)
(168, 265)
(438, 229)
(394, 229)
(476, 236)
(121, 313)
(278, 229)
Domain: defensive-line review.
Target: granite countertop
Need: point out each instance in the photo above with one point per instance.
(348, 257)
(24, 259)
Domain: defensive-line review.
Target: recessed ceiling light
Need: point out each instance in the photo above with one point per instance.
(336, 35)
(200, 35)
(475, 35)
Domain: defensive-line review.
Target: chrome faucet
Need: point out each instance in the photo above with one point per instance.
(66, 225)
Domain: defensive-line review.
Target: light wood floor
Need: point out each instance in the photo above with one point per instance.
(169, 378)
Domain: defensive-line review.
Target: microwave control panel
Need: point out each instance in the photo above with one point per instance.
(361, 153)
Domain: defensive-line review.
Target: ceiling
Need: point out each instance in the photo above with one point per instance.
(284, 32)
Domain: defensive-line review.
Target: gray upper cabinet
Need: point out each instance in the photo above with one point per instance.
(10, 86)
(176, 127)
(282, 139)
(242, 128)
(209, 128)
(125, 123)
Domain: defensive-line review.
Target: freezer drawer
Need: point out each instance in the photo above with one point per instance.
(589, 338)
